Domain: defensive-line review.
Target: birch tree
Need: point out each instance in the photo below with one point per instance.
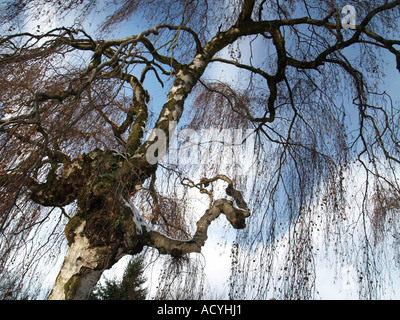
(76, 132)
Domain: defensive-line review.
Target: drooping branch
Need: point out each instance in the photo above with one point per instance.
(236, 216)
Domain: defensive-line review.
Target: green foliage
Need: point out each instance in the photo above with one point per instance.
(129, 288)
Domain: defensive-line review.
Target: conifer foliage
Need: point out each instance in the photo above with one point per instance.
(130, 287)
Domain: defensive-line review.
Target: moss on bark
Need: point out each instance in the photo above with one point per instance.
(70, 228)
(72, 286)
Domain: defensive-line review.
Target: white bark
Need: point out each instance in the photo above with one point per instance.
(79, 256)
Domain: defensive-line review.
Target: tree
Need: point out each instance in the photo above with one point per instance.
(129, 288)
(75, 112)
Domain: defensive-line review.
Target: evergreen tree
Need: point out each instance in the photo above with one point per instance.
(129, 288)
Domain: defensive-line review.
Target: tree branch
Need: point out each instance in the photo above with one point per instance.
(247, 11)
(236, 216)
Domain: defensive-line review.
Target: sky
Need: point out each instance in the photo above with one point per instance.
(330, 282)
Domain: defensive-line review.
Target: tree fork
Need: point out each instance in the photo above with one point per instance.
(95, 243)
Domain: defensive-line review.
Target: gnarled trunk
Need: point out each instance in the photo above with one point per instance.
(97, 243)
(102, 230)
(86, 261)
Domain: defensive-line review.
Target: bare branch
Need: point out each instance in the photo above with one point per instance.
(236, 216)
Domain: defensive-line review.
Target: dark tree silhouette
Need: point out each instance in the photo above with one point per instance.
(128, 288)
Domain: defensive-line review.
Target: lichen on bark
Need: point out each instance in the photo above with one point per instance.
(70, 228)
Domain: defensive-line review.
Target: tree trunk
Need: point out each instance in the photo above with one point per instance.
(81, 270)
(85, 261)
(102, 230)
